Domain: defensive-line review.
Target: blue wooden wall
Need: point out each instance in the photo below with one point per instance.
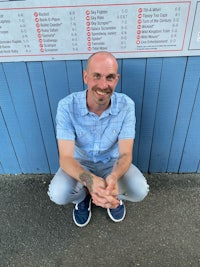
(167, 96)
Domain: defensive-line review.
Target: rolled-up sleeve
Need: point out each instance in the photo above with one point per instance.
(64, 127)
(128, 125)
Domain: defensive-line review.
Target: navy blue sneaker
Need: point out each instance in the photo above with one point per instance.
(82, 212)
(118, 214)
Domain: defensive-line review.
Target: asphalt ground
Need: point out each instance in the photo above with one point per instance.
(163, 230)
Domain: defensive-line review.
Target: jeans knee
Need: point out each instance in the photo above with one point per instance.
(141, 192)
(59, 194)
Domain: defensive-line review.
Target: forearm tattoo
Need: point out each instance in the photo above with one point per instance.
(120, 157)
(86, 179)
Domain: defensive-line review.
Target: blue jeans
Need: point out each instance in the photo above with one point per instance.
(64, 189)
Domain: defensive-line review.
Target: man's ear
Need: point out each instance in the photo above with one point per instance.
(118, 77)
(85, 76)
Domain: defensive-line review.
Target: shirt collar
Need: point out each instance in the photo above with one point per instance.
(113, 109)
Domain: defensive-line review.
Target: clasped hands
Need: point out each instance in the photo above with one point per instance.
(104, 192)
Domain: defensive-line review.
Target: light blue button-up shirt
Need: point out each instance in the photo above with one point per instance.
(96, 137)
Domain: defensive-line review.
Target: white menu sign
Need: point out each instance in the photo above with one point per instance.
(31, 31)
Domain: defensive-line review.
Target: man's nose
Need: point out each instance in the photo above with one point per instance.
(103, 82)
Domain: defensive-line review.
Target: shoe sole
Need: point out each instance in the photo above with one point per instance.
(115, 220)
(89, 217)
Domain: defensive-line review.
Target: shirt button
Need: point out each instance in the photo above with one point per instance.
(96, 146)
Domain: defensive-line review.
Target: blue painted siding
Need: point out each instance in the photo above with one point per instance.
(149, 107)
(166, 92)
(184, 115)
(8, 159)
(192, 145)
(133, 76)
(168, 99)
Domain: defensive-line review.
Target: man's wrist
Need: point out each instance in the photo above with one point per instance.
(87, 179)
(114, 175)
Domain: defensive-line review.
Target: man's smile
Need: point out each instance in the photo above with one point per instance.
(101, 92)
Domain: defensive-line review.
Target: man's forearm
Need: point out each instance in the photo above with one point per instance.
(74, 169)
(121, 166)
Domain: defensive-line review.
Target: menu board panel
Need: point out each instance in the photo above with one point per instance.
(195, 36)
(75, 29)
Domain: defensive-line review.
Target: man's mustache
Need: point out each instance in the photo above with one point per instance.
(105, 90)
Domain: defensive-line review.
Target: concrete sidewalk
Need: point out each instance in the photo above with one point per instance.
(163, 230)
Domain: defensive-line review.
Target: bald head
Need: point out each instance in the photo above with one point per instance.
(101, 56)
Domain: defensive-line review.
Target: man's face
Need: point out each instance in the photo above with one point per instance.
(101, 78)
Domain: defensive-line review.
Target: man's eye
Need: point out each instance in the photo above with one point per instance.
(110, 77)
(97, 76)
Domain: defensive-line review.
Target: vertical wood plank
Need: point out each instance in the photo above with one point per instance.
(1, 169)
(75, 75)
(8, 159)
(150, 98)
(56, 79)
(191, 153)
(198, 170)
(169, 94)
(83, 64)
(187, 99)
(133, 76)
(13, 127)
(21, 93)
(119, 85)
(44, 113)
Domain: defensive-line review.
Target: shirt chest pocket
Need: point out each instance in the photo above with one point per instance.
(83, 138)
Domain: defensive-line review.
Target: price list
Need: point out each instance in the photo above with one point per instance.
(137, 27)
(161, 27)
(104, 33)
(19, 41)
(37, 32)
(67, 31)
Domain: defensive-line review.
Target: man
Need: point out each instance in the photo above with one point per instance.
(95, 132)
